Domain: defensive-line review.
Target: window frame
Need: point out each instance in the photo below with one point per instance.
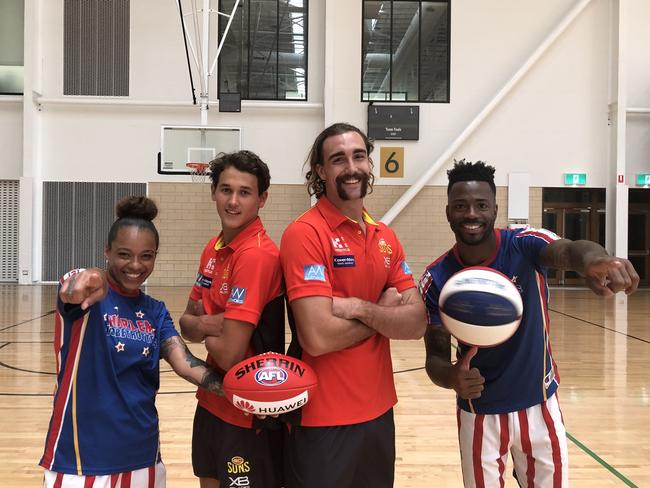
(390, 83)
(277, 55)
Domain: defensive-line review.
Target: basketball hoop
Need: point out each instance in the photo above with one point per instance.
(199, 172)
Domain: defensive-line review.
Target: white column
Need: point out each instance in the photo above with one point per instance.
(30, 196)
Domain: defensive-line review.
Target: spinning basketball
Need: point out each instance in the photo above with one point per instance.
(269, 384)
(480, 307)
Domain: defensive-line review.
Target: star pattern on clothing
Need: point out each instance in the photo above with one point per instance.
(145, 351)
(105, 317)
(139, 314)
(514, 279)
(119, 347)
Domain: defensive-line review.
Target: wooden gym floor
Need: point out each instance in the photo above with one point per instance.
(602, 348)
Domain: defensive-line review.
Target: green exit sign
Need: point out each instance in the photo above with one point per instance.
(643, 180)
(575, 179)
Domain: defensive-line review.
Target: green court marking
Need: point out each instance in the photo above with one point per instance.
(600, 461)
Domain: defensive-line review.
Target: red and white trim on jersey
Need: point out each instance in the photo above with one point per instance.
(543, 234)
(151, 477)
(535, 437)
(542, 290)
(67, 390)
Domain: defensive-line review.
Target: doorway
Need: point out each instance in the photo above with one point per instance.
(573, 213)
(638, 240)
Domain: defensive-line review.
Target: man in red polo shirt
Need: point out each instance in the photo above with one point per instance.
(350, 291)
(237, 307)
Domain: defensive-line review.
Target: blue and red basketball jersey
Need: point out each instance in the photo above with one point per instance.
(520, 372)
(104, 418)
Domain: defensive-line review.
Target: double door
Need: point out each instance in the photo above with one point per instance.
(573, 222)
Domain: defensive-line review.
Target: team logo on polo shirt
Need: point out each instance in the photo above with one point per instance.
(237, 295)
(384, 247)
(203, 281)
(339, 244)
(314, 272)
(343, 261)
(405, 268)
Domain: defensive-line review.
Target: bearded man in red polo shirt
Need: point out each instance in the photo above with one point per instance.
(350, 290)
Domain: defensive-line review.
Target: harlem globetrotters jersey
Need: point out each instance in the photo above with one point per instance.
(520, 372)
(104, 418)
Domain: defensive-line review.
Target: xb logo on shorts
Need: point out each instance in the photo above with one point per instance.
(240, 481)
(271, 376)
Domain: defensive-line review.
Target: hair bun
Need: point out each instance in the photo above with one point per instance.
(136, 208)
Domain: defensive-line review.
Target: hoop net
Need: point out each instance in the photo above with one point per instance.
(198, 171)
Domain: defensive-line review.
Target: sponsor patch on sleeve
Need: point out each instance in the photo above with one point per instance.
(203, 281)
(343, 261)
(237, 295)
(314, 272)
(405, 268)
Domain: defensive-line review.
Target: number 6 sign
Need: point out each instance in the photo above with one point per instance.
(391, 162)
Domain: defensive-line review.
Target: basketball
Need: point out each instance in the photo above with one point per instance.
(269, 384)
(480, 307)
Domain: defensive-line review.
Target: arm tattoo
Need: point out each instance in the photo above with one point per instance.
(72, 280)
(211, 380)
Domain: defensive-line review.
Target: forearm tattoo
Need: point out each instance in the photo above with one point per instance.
(211, 380)
(71, 282)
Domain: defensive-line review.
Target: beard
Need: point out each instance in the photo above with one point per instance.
(363, 178)
(473, 239)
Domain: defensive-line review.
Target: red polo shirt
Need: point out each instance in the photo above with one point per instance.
(324, 253)
(238, 279)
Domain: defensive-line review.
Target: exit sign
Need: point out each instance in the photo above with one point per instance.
(575, 179)
(643, 180)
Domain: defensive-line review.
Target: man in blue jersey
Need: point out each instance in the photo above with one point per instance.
(506, 396)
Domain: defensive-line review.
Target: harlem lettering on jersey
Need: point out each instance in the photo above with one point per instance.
(117, 326)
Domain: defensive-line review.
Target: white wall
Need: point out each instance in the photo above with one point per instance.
(118, 143)
(11, 140)
(555, 119)
(638, 88)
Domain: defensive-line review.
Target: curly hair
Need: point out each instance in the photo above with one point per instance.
(133, 211)
(316, 186)
(468, 171)
(244, 161)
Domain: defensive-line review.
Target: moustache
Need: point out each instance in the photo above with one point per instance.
(357, 175)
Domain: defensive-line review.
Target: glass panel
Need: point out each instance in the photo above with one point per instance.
(291, 59)
(549, 221)
(376, 51)
(640, 195)
(636, 232)
(263, 50)
(576, 226)
(601, 228)
(573, 195)
(434, 52)
(639, 263)
(406, 33)
(233, 59)
(12, 25)
(251, 62)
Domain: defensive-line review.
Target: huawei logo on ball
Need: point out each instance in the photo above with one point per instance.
(244, 405)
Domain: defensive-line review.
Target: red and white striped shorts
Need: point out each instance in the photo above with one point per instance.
(151, 477)
(535, 437)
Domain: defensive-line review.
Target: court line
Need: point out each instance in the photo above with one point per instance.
(601, 326)
(601, 461)
(29, 320)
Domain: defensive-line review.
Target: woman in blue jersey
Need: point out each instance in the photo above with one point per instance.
(109, 339)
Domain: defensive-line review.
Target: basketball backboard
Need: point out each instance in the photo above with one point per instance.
(182, 144)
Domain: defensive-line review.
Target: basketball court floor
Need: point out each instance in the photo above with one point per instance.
(601, 346)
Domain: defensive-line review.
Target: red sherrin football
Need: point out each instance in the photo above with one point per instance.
(269, 384)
